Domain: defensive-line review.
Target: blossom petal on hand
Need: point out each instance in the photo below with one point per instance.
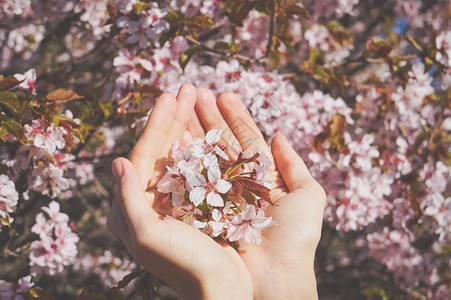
(194, 178)
(214, 199)
(197, 195)
(216, 227)
(166, 184)
(223, 186)
(262, 222)
(253, 236)
(221, 153)
(234, 233)
(212, 165)
(216, 214)
(177, 199)
(249, 213)
(197, 148)
(213, 136)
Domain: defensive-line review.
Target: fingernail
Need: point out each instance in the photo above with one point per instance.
(117, 169)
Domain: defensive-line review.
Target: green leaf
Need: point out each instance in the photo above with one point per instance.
(340, 34)
(107, 108)
(186, 56)
(36, 293)
(222, 46)
(139, 6)
(57, 119)
(262, 7)
(15, 129)
(62, 96)
(241, 12)
(7, 83)
(5, 222)
(173, 16)
(199, 21)
(377, 48)
(9, 99)
(320, 73)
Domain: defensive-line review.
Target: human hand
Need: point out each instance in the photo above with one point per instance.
(281, 267)
(189, 261)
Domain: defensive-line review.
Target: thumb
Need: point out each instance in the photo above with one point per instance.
(131, 198)
(290, 164)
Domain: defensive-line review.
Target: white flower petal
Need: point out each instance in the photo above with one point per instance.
(166, 184)
(197, 151)
(223, 186)
(216, 214)
(197, 195)
(213, 136)
(249, 213)
(215, 200)
(177, 199)
(221, 153)
(193, 177)
(262, 222)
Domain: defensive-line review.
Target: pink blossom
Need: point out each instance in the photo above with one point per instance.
(12, 290)
(8, 200)
(247, 226)
(46, 137)
(145, 29)
(49, 180)
(110, 267)
(28, 81)
(443, 44)
(56, 247)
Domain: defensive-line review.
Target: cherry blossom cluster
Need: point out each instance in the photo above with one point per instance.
(110, 268)
(56, 247)
(222, 197)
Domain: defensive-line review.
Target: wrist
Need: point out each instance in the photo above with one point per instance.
(284, 279)
(218, 286)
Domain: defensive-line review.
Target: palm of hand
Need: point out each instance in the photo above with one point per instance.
(174, 250)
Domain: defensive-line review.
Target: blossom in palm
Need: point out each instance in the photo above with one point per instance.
(247, 226)
(201, 180)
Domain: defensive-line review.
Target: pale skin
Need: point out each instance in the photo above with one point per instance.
(196, 266)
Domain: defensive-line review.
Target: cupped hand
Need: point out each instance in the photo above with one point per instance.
(281, 267)
(189, 261)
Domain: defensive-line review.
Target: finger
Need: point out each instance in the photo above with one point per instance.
(290, 165)
(186, 100)
(240, 121)
(132, 200)
(148, 147)
(195, 127)
(211, 118)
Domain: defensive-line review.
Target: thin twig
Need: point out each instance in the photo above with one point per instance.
(271, 30)
(224, 53)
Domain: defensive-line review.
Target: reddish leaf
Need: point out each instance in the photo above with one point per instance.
(299, 10)
(248, 196)
(8, 83)
(251, 184)
(236, 188)
(63, 95)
